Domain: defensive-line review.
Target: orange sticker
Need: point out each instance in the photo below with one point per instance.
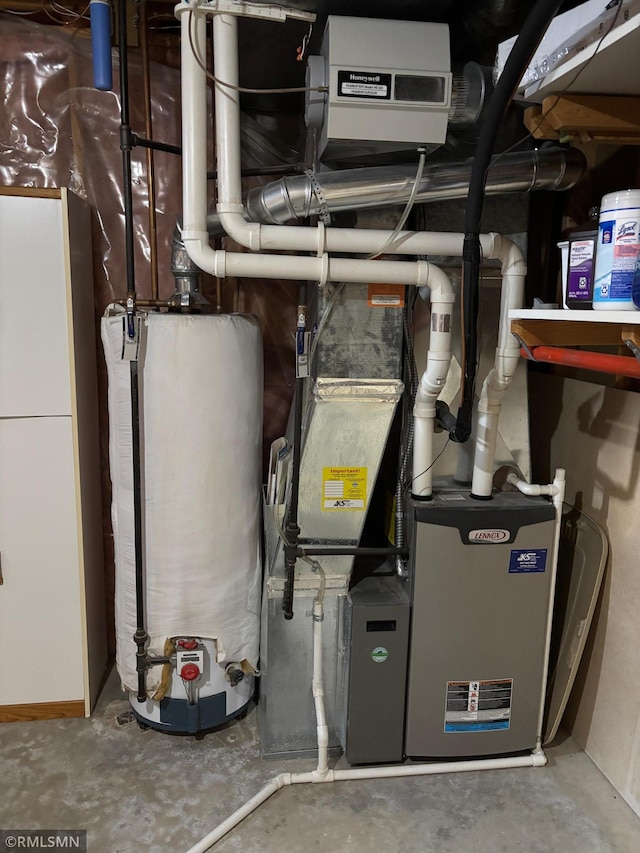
(386, 296)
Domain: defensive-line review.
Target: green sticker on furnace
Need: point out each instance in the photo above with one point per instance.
(379, 654)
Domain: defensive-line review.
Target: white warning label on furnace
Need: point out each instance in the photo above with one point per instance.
(478, 706)
(344, 488)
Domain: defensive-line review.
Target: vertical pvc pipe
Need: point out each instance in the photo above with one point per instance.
(194, 128)
(558, 490)
(227, 105)
(496, 383)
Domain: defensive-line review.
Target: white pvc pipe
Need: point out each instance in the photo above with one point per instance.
(500, 377)
(421, 480)
(532, 489)
(322, 773)
(431, 384)
(322, 729)
(282, 780)
(556, 490)
(254, 236)
(239, 815)
(194, 138)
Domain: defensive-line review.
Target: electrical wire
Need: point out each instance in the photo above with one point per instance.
(69, 13)
(446, 444)
(63, 12)
(244, 89)
(323, 320)
(408, 207)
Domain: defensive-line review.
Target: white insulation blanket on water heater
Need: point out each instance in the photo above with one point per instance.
(201, 433)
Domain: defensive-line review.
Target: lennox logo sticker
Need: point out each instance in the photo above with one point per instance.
(489, 534)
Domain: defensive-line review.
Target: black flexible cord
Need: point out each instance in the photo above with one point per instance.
(521, 54)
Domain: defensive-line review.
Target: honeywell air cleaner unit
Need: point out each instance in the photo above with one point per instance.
(389, 86)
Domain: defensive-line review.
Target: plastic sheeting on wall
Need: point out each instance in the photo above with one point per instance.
(201, 392)
(60, 132)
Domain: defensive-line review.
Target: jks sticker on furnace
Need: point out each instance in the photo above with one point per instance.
(344, 489)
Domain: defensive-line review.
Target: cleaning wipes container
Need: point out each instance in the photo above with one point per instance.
(617, 251)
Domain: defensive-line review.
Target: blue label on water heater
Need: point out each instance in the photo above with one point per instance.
(524, 561)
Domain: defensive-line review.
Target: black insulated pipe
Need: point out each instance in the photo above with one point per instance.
(292, 530)
(521, 54)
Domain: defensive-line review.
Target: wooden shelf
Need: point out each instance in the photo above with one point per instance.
(567, 328)
(584, 118)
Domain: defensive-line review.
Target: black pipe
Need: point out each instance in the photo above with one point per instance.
(140, 637)
(292, 530)
(125, 147)
(155, 146)
(355, 551)
(265, 171)
(521, 54)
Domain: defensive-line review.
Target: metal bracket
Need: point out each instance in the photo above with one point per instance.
(131, 342)
(240, 8)
(323, 210)
(525, 347)
(634, 348)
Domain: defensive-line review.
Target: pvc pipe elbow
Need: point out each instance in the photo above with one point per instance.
(245, 233)
(439, 284)
(207, 259)
(509, 254)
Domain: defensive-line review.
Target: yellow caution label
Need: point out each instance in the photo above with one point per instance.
(344, 489)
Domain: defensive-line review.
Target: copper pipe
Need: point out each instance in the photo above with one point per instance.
(619, 365)
(148, 129)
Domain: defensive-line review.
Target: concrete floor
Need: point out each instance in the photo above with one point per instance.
(139, 790)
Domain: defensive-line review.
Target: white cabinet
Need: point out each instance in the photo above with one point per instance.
(52, 608)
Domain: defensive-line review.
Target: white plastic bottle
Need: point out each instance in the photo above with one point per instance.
(617, 251)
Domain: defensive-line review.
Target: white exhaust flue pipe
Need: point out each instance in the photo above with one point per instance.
(431, 384)
(501, 375)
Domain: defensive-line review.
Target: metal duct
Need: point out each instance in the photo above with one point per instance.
(300, 196)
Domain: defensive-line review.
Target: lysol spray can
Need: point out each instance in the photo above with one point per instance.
(617, 251)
